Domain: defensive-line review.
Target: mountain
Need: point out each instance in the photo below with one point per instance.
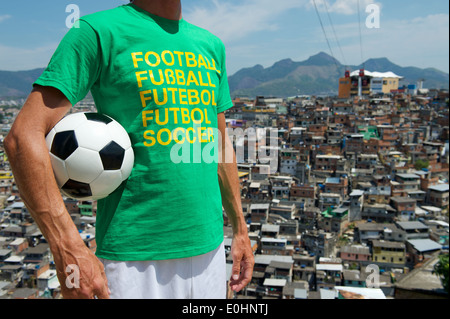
(320, 75)
(433, 77)
(287, 77)
(17, 83)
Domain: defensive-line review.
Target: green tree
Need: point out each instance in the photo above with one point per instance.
(442, 271)
(419, 164)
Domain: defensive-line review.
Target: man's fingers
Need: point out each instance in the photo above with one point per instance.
(92, 283)
(247, 273)
(243, 262)
(102, 294)
(236, 274)
(241, 275)
(236, 270)
(100, 288)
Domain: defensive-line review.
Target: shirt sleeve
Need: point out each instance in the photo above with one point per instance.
(224, 101)
(75, 65)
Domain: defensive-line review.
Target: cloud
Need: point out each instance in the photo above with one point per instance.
(345, 7)
(417, 41)
(4, 17)
(236, 20)
(423, 37)
(350, 6)
(25, 58)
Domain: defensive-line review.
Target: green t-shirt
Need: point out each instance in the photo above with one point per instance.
(165, 81)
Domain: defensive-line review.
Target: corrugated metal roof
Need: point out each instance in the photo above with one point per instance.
(412, 225)
(439, 188)
(408, 176)
(424, 245)
(275, 282)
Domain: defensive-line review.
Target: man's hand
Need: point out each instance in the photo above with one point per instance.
(243, 262)
(80, 273)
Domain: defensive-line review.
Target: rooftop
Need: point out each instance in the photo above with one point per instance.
(399, 199)
(424, 245)
(357, 192)
(360, 293)
(408, 176)
(422, 278)
(387, 244)
(355, 249)
(329, 267)
(412, 225)
(275, 282)
(439, 188)
(377, 74)
(333, 180)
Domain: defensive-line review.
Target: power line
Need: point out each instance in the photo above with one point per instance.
(334, 32)
(325, 34)
(360, 33)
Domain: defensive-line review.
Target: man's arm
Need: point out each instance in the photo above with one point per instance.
(243, 260)
(30, 162)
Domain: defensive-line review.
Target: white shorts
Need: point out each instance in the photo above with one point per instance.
(199, 277)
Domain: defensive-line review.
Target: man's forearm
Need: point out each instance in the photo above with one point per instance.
(31, 165)
(34, 178)
(30, 162)
(241, 250)
(33, 174)
(230, 187)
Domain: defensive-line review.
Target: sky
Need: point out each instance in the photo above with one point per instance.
(407, 32)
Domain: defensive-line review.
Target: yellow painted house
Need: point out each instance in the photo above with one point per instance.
(6, 175)
(388, 252)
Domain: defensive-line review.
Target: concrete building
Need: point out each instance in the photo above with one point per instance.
(438, 195)
(356, 205)
(388, 253)
(367, 83)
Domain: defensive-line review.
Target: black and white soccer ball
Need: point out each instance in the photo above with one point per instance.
(91, 155)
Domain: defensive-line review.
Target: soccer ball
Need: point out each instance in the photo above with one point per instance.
(91, 155)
